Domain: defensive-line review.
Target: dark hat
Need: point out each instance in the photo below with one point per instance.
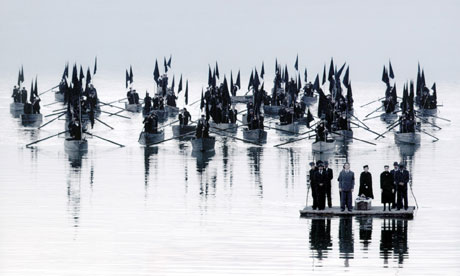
(312, 163)
(365, 166)
(395, 163)
(319, 162)
(386, 166)
(401, 165)
(326, 163)
(320, 165)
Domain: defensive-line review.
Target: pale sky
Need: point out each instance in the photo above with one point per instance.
(44, 34)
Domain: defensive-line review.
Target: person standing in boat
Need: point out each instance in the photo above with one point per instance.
(342, 122)
(36, 105)
(387, 188)
(135, 97)
(151, 123)
(184, 117)
(321, 132)
(365, 183)
(147, 103)
(346, 185)
(23, 95)
(313, 185)
(308, 89)
(129, 96)
(202, 128)
(16, 96)
(321, 179)
(402, 179)
(330, 176)
(171, 99)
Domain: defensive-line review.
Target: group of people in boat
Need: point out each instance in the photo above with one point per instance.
(218, 105)
(202, 128)
(19, 95)
(254, 119)
(407, 123)
(151, 123)
(393, 186)
(184, 117)
(132, 96)
(157, 103)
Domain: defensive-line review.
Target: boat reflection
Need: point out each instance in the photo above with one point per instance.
(255, 155)
(320, 237)
(393, 240)
(148, 153)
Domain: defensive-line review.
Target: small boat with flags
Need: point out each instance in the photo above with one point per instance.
(256, 135)
(323, 146)
(147, 139)
(203, 144)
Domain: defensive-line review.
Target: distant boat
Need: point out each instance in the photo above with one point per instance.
(321, 146)
(256, 135)
(203, 144)
(181, 130)
(133, 107)
(412, 138)
(292, 127)
(148, 139)
(31, 120)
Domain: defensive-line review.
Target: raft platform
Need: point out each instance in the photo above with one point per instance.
(376, 211)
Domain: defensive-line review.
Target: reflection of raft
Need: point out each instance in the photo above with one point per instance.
(203, 144)
(374, 212)
(321, 146)
(256, 135)
(412, 138)
(31, 120)
(147, 139)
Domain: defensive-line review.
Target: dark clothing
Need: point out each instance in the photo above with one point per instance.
(202, 129)
(365, 185)
(393, 173)
(330, 175)
(402, 178)
(387, 187)
(346, 180)
(346, 200)
(321, 178)
(147, 104)
(314, 188)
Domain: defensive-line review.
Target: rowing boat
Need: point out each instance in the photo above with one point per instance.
(203, 144)
(256, 135)
(292, 127)
(148, 139)
(181, 130)
(321, 146)
(241, 99)
(412, 138)
(31, 120)
(272, 109)
(133, 107)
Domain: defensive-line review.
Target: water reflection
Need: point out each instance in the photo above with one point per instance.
(255, 155)
(73, 195)
(148, 153)
(365, 231)
(394, 240)
(320, 237)
(346, 246)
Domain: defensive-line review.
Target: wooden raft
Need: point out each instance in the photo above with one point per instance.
(375, 211)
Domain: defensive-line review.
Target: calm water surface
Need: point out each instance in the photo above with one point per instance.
(164, 210)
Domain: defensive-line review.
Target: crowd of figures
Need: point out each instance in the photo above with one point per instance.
(393, 237)
(393, 186)
(32, 103)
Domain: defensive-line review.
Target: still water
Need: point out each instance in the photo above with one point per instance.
(164, 210)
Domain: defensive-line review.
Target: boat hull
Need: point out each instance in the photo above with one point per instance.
(148, 139)
(289, 128)
(412, 138)
(133, 107)
(181, 130)
(203, 144)
(256, 135)
(272, 109)
(59, 96)
(31, 120)
(76, 146)
(16, 109)
(321, 146)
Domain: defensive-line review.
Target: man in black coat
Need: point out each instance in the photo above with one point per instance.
(330, 175)
(321, 178)
(402, 178)
(313, 184)
(394, 172)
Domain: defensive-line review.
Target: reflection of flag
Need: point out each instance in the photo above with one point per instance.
(309, 118)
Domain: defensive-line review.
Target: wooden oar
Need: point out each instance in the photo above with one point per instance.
(359, 120)
(54, 114)
(111, 105)
(434, 116)
(118, 112)
(428, 122)
(364, 141)
(292, 141)
(371, 131)
(374, 111)
(100, 121)
(437, 139)
(115, 114)
(373, 102)
(394, 125)
(51, 103)
(46, 138)
(48, 90)
(47, 123)
(60, 109)
(107, 140)
(172, 138)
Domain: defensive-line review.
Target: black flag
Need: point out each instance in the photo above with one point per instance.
(165, 64)
(238, 80)
(19, 77)
(95, 66)
(262, 71)
(324, 75)
(186, 92)
(251, 79)
(340, 70)
(256, 82)
(169, 61)
(286, 75)
(316, 84)
(217, 70)
(172, 84)
(346, 79)
(209, 76)
(392, 75)
(179, 88)
(156, 72)
(202, 100)
(31, 96)
(81, 75)
(331, 71)
(309, 118)
(305, 75)
(299, 84)
(88, 77)
(74, 75)
(296, 64)
(232, 88)
(127, 78)
(131, 74)
(385, 78)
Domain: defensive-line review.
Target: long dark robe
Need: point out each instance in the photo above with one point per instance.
(365, 185)
(387, 185)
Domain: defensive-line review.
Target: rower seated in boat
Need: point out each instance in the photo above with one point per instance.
(184, 117)
(407, 124)
(74, 129)
(343, 123)
(92, 96)
(151, 123)
(232, 114)
(389, 104)
(202, 128)
(36, 105)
